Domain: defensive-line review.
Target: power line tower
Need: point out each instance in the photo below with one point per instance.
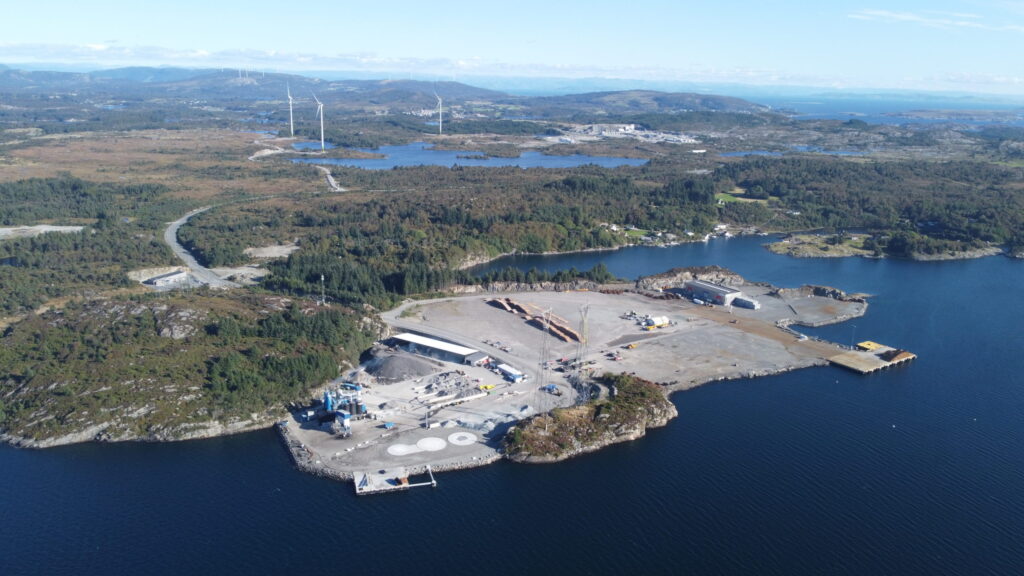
(541, 391)
(581, 352)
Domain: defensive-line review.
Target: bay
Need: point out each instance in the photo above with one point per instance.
(915, 470)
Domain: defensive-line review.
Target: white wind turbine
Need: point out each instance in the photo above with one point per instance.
(291, 118)
(320, 113)
(440, 118)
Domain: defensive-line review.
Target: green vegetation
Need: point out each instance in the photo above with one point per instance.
(56, 265)
(119, 238)
(921, 207)
(157, 365)
(371, 248)
(72, 200)
(833, 245)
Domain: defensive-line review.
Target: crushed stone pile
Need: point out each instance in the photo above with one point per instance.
(397, 367)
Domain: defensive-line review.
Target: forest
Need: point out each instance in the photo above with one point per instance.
(923, 207)
(182, 359)
(107, 347)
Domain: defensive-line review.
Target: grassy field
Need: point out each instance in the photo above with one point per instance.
(737, 195)
(821, 246)
(201, 165)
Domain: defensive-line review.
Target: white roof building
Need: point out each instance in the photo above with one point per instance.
(435, 344)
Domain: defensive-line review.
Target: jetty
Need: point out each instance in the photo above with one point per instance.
(383, 481)
(870, 357)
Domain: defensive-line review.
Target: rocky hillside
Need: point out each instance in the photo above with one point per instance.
(633, 406)
(677, 276)
(167, 367)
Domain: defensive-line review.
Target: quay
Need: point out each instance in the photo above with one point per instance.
(443, 392)
(870, 357)
(383, 481)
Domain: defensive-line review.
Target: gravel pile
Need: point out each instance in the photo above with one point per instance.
(397, 367)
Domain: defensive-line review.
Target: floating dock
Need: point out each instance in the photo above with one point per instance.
(383, 481)
(870, 357)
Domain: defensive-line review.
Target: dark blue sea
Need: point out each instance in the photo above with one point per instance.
(917, 470)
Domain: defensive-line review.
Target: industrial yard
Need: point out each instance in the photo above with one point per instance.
(458, 372)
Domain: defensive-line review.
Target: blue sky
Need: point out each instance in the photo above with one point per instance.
(962, 45)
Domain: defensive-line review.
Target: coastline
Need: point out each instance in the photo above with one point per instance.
(785, 350)
(96, 433)
(812, 245)
(474, 261)
(308, 464)
(215, 429)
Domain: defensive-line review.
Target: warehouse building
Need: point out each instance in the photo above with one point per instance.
(714, 293)
(435, 348)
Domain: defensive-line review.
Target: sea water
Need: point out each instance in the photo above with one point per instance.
(913, 470)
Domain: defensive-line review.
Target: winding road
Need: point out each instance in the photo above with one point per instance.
(199, 272)
(274, 149)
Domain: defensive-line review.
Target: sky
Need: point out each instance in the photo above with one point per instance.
(929, 45)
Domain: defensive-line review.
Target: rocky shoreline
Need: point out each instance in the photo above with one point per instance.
(304, 460)
(633, 405)
(617, 437)
(98, 433)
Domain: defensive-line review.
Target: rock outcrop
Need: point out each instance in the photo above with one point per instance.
(635, 406)
(822, 291)
(497, 287)
(677, 276)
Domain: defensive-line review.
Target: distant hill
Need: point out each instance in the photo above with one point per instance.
(233, 87)
(230, 84)
(639, 102)
(147, 74)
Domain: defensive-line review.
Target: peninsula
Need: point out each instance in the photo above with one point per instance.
(462, 381)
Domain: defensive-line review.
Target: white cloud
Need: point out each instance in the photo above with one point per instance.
(367, 63)
(934, 19)
(911, 17)
(956, 15)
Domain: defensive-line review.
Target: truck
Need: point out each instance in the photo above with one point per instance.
(552, 389)
(655, 322)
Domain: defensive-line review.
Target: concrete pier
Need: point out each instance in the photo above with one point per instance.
(870, 357)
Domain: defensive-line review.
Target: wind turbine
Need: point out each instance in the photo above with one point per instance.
(440, 118)
(291, 119)
(320, 113)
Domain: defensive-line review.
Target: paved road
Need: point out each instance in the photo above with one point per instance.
(201, 273)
